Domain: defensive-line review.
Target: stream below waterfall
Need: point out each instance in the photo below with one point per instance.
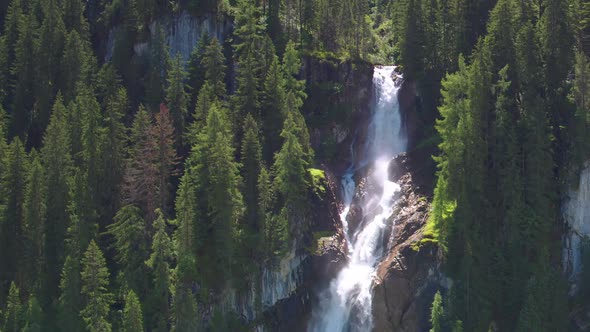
(347, 303)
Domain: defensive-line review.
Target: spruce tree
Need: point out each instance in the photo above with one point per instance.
(13, 317)
(131, 243)
(184, 302)
(204, 102)
(23, 71)
(112, 152)
(48, 52)
(96, 296)
(11, 229)
(34, 223)
(159, 60)
(273, 108)
(195, 67)
(225, 204)
(176, 97)
(437, 314)
(70, 300)
(158, 308)
(214, 66)
(34, 316)
(132, 314)
(57, 163)
(291, 68)
(251, 158)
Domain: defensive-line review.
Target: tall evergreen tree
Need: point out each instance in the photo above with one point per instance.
(214, 66)
(34, 316)
(132, 315)
(22, 70)
(273, 108)
(159, 60)
(12, 236)
(131, 241)
(176, 97)
(158, 308)
(57, 162)
(13, 317)
(95, 282)
(437, 314)
(34, 223)
(70, 300)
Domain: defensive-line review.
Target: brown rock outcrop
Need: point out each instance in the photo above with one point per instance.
(407, 277)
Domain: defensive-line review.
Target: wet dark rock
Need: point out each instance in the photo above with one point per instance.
(407, 277)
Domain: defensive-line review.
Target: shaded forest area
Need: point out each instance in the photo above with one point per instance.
(134, 193)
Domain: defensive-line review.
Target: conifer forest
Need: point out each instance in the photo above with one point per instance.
(295, 165)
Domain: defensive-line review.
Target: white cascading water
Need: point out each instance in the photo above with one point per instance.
(346, 305)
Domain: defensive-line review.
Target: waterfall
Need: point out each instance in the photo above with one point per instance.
(346, 304)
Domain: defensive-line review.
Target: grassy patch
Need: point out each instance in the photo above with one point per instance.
(319, 241)
(318, 178)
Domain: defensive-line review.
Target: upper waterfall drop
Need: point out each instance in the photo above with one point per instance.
(346, 304)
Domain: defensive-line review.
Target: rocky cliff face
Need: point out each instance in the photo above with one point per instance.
(182, 32)
(280, 301)
(576, 213)
(408, 276)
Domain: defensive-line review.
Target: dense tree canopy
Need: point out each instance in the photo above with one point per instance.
(139, 190)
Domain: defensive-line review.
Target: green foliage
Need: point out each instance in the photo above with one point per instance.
(11, 229)
(437, 314)
(96, 296)
(34, 316)
(13, 317)
(70, 300)
(176, 97)
(158, 306)
(34, 222)
(132, 245)
(132, 315)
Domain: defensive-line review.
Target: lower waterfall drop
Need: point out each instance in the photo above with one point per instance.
(347, 304)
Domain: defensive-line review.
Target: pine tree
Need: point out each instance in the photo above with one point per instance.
(265, 204)
(165, 159)
(247, 99)
(159, 300)
(184, 303)
(22, 70)
(70, 300)
(290, 167)
(57, 162)
(213, 63)
(48, 52)
(75, 66)
(291, 68)
(224, 198)
(176, 97)
(34, 316)
(73, 16)
(204, 102)
(159, 63)
(437, 314)
(131, 241)
(195, 67)
(273, 108)
(132, 315)
(13, 317)
(140, 173)
(251, 157)
(95, 282)
(112, 150)
(11, 231)
(34, 222)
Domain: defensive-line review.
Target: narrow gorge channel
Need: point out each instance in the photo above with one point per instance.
(346, 305)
